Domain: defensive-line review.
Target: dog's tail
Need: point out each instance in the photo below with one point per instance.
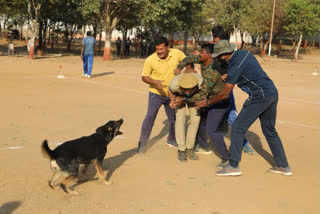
(46, 151)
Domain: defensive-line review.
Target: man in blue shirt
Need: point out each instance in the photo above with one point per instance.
(87, 52)
(244, 70)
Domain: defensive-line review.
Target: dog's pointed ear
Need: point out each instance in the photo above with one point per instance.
(100, 130)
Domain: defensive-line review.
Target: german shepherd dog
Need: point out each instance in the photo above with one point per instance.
(65, 160)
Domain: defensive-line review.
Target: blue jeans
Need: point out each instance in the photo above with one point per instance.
(266, 111)
(87, 64)
(154, 104)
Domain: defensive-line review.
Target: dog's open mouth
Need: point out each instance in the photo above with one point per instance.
(120, 122)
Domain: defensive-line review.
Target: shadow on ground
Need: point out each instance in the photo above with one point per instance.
(164, 131)
(256, 144)
(9, 207)
(101, 74)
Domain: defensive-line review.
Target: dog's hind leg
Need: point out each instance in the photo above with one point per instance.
(98, 165)
(64, 184)
(55, 176)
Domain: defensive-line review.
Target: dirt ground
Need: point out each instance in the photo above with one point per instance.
(35, 105)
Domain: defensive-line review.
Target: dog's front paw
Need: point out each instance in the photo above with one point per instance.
(107, 182)
(72, 192)
(52, 186)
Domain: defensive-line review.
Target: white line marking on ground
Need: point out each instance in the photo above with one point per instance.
(13, 147)
(297, 124)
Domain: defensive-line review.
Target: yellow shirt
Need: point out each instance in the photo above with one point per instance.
(159, 69)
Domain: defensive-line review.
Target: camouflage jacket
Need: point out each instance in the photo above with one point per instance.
(212, 82)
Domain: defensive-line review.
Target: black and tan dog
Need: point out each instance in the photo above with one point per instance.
(67, 157)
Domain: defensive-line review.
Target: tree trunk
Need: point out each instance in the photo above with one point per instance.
(40, 34)
(305, 45)
(265, 46)
(34, 32)
(94, 31)
(297, 49)
(279, 47)
(109, 24)
(31, 52)
(194, 43)
(185, 42)
(170, 38)
(100, 41)
(21, 29)
(107, 46)
(124, 38)
(262, 51)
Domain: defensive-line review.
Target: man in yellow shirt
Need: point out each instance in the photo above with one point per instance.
(158, 72)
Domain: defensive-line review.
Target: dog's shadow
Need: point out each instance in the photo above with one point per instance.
(113, 163)
(109, 164)
(9, 207)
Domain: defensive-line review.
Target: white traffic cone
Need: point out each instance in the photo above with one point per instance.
(60, 76)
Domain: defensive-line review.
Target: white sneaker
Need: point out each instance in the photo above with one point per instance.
(200, 150)
(85, 75)
(89, 76)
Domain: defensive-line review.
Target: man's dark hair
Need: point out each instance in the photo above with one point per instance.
(160, 40)
(89, 33)
(209, 47)
(218, 31)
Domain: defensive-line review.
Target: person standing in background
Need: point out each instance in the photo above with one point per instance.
(87, 53)
(118, 45)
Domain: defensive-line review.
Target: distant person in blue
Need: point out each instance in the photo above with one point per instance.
(244, 70)
(87, 53)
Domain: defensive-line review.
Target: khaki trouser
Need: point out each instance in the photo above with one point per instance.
(180, 127)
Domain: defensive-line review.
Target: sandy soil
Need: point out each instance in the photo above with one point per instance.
(35, 105)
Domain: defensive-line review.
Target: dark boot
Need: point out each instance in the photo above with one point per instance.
(182, 156)
(191, 155)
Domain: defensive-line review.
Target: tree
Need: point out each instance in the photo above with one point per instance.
(111, 15)
(9, 10)
(228, 13)
(130, 19)
(189, 17)
(33, 10)
(201, 23)
(257, 20)
(301, 20)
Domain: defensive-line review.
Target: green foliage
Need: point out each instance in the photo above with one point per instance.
(301, 17)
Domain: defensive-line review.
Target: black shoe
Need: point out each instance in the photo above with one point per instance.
(182, 156)
(141, 148)
(191, 155)
(172, 143)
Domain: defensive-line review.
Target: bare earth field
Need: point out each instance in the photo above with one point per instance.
(35, 105)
